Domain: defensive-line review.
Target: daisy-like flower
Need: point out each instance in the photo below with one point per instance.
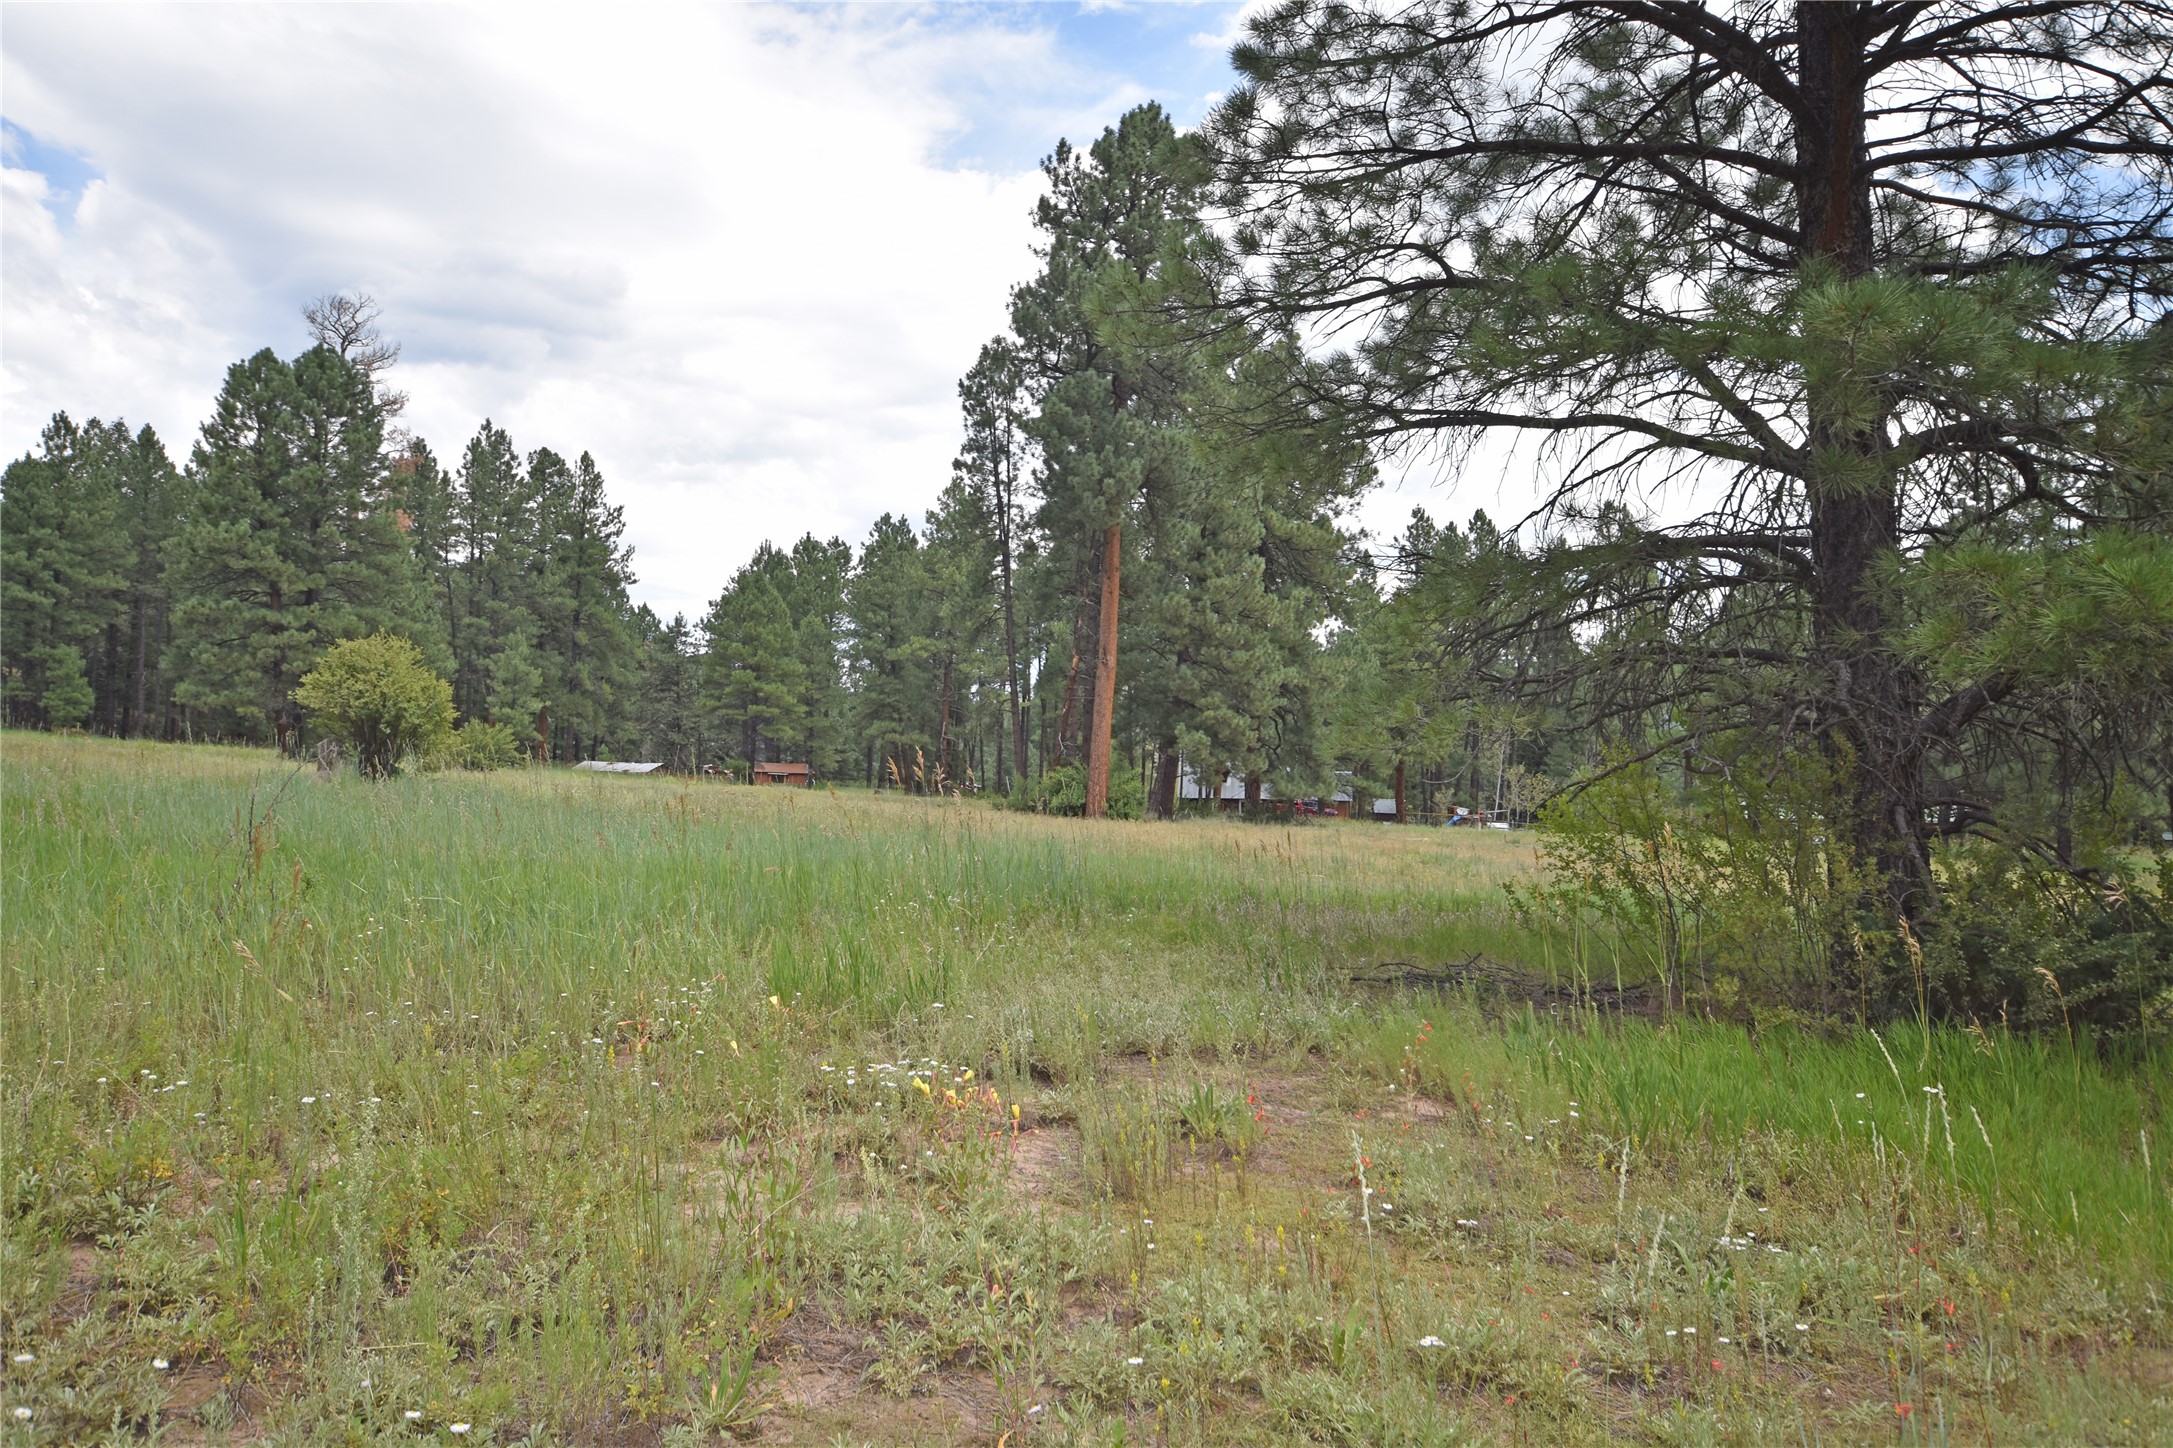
(456, 1429)
(22, 1415)
(413, 1415)
(26, 1357)
(1429, 1340)
(160, 1363)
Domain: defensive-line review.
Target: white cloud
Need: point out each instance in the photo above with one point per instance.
(720, 249)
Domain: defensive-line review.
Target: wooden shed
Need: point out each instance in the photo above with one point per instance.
(772, 771)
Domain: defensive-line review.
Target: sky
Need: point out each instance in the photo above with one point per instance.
(740, 254)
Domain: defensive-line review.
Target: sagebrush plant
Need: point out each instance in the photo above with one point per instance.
(577, 1108)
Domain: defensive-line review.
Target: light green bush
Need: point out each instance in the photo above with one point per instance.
(478, 744)
(378, 697)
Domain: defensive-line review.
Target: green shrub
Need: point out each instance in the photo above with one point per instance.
(481, 745)
(1730, 883)
(1062, 791)
(2015, 940)
(378, 697)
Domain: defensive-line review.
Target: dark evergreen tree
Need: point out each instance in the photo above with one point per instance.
(754, 681)
(891, 640)
(62, 575)
(291, 542)
(581, 604)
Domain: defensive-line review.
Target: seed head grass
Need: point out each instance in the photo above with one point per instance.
(580, 1108)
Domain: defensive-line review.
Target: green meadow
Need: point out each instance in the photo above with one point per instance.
(551, 1108)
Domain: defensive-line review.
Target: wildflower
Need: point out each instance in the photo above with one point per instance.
(1429, 1340)
(1134, 1362)
(413, 1415)
(309, 1101)
(1904, 1409)
(458, 1428)
(159, 1363)
(22, 1415)
(1803, 1327)
(26, 1357)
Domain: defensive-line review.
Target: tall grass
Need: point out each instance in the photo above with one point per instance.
(2038, 1136)
(534, 1100)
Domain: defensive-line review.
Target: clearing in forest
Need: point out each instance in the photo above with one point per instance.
(553, 1108)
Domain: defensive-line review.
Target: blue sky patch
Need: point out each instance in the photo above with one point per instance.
(1103, 59)
(65, 172)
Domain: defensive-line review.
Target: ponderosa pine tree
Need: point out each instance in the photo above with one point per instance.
(291, 541)
(153, 498)
(992, 465)
(753, 680)
(63, 566)
(429, 514)
(666, 718)
(581, 604)
(498, 674)
(1244, 562)
(814, 594)
(892, 638)
(1111, 215)
(1871, 279)
(84, 527)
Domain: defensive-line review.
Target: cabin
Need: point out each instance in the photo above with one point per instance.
(770, 771)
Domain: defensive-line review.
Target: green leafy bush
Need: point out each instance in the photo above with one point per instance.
(1062, 791)
(481, 745)
(2017, 941)
(378, 697)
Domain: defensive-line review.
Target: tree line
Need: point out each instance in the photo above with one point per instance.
(969, 650)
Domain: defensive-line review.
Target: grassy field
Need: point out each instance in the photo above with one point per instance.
(552, 1108)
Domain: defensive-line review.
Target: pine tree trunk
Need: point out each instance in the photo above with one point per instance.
(1874, 701)
(943, 727)
(1165, 780)
(1011, 644)
(1105, 679)
(140, 673)
(1399, 791)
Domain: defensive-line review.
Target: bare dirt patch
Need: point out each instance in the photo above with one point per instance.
(1045, 1161)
